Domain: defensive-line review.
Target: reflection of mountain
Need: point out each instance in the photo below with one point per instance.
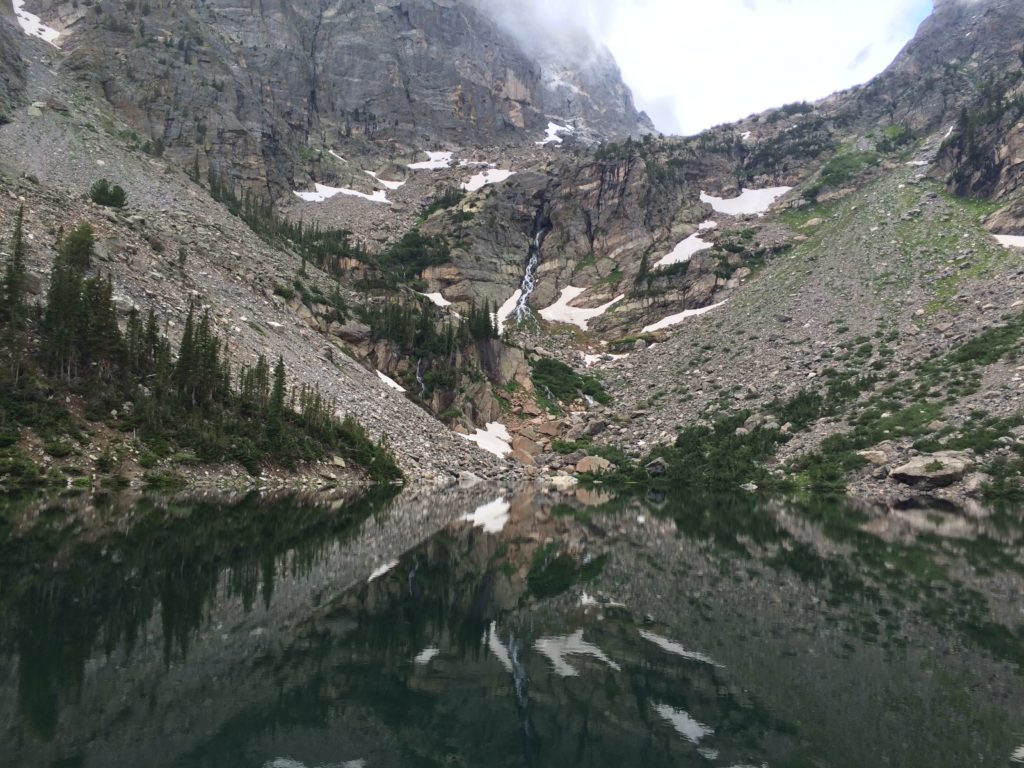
(450, 658)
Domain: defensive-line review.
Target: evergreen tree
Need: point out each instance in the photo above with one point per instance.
(77, 246)
(62, 319)
(13, 307)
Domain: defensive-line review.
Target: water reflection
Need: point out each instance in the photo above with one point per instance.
(507, 629)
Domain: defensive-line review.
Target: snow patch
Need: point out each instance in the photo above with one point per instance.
(438, 161)
(670, 646)
(424, 657)
(336, 155)
(561, 312)
(685, 251)
(495, 439)
(505, 310)
(491, 517)
(382, 570)
(437, 299)
(1011, 241)
(591, 360)
(323, 192)
(918, 163)
(392, 185)
(552, 132)
(33, 26)
(557, 648)
(490, 176)
(390, 382)
(668, 322)
(685, 725)
(749, 202)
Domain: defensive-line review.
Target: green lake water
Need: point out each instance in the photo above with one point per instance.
(496, 627)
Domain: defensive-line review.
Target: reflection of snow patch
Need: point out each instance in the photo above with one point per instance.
(1011, 241)
(497, 647)
(33, 26)
(390, 382)
(426, 655)
(438, 299)
(491, 517)
(668, 322)
(557, 648)
(671, 646)
(750, 201)
(1018, 756)
(287, 762)
(392, 185)
(505, 310)
(552, 134)
(323, 192)
(490, 176)
(382, 570)
(438, 162)
(685, 251)
(495, 439)
(690, 729)
(561, 312)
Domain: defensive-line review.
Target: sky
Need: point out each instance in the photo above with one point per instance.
(693, 64)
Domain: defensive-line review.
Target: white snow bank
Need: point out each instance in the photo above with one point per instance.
(668, 322)
(557, 648)
(561, 312)
(323, 192)
(390, 382)
(382, 570)
(749, 202)
(491, 517)
(438, 299)
(685, 251)
(505, 310)
(33, 26)
(670, 646)
(591, 360)
(495, 439)
(490, 176)
(424, 656)
(1011, 241)
(552, 132)
(392, 185)
(704, 226)
(438, 162)
(685, 725)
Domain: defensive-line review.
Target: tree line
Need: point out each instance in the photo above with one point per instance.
(172, 400)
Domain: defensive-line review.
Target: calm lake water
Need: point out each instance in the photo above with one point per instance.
(541, 631)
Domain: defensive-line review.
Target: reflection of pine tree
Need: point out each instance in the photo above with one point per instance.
(12, 313)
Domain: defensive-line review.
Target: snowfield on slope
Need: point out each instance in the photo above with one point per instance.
(561, 312)
(552, 132)
(323, 192)
(671, 320)
(490, 176)
(33, 26)
(750, 201)
(438, 161)
(494, 439)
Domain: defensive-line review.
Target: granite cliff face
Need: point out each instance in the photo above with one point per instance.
(253, 88)
(12, 77)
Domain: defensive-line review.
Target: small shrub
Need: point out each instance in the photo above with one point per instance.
(108, 195)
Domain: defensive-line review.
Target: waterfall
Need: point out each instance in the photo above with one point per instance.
(541, 227)
(419, 378)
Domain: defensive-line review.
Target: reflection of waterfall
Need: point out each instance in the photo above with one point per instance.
(541, 227)
(520, 680)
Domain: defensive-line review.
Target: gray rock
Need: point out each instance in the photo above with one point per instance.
(934, 470)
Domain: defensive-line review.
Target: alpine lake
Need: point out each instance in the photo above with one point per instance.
(498, 626)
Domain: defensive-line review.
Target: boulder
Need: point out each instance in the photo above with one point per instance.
(657, 468)
(593, 465)
(526, 445)
(352, 332)
(524, 458)
(934, 470)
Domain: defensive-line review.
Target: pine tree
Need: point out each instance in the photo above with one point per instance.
(62, 319)
(13, 307)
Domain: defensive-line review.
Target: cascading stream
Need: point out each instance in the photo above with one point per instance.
(541, 227)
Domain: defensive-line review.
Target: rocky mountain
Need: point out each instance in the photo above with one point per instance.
(254, 89)
(829, 252)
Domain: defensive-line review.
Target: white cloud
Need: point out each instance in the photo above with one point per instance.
(696, 63)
